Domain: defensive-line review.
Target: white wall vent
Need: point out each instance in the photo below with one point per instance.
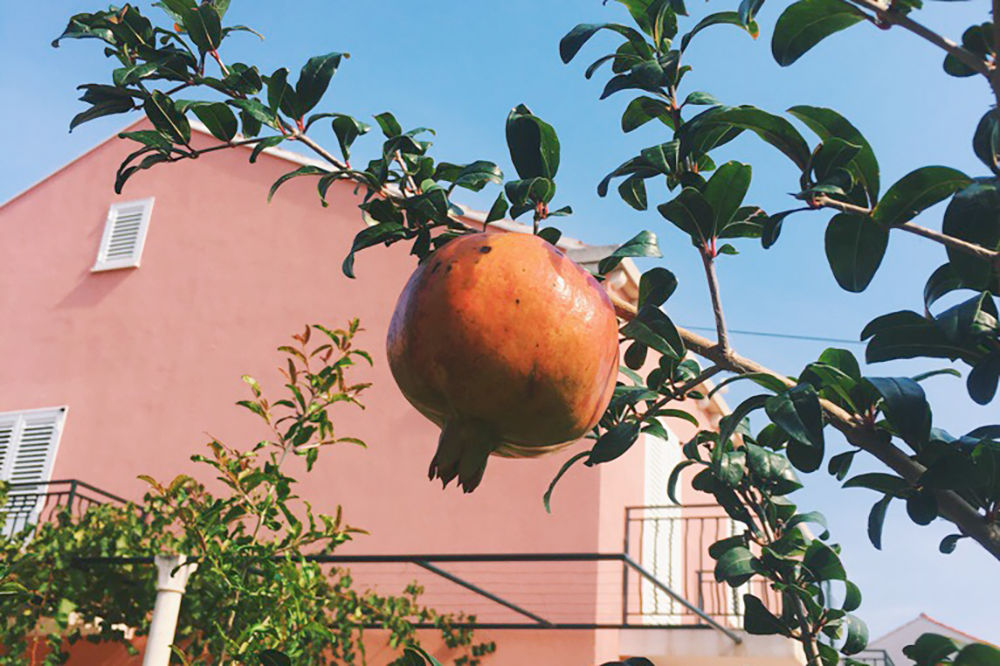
(124, 235)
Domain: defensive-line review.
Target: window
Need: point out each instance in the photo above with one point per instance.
(28, 442)
(124, 235)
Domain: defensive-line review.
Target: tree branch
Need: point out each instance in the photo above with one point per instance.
(888, 17)
(951, 505)
(991, 256)
(713, 288)
(318, 149)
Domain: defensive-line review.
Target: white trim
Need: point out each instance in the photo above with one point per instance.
(18, 420)
(134, 245)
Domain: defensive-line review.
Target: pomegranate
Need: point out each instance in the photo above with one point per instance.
(508, 346)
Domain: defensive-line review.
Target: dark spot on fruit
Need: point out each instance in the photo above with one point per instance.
(436, 267)
(517, 301)
(450, 266)
(485, 249)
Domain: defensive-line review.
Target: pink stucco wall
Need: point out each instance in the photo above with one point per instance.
(149, 359)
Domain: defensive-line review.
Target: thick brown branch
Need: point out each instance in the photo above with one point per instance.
(875, 442)
(889, 17)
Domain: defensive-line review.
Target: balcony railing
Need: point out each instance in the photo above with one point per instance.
(31, 503)
(874, 658)
(672, 543)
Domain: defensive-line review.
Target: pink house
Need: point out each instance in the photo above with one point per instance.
(131, 319)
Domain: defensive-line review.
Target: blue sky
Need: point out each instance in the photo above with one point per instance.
(459, 66)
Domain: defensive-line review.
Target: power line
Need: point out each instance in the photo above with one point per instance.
(787, 336)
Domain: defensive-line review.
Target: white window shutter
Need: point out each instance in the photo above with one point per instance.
(28, 443)
(124, 235)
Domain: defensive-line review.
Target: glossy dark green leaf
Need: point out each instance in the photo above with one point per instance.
(770, 382)
(204, 26)
(748, 9)
(827, 124)
(252, 108)
(473, 176)
(533, 144)
(643, 109)
(547, 498)
(274, 658)
(773, 129)
(982, 381)
(908, 335)
(720, 18)
(759, 621)
(347, 130)
(922, 507)
(301, 171)
(656, 286)
(635, 355)
(281, 95)
(165, 116)
(614, 443)
(243, 79)
(978, 654)
(691, 213)
(772, 227)
(87, 26)
(917, 191)
(389, 125)
(906, 406)
(852, 597)
(675, 476)
(840, 464)
(380, 233)
(814, 517)
(949, 543)
(263, 145)
(974, 216)
(986, 141)
(151, 138)
(884, 483)
(498, 210)
(772, 468)
(823, 563)
(876, 519)
(633, 192)
(798, 413)
(218, 118)
(855, 246)
(930, 649)
(107, 107)
(731, 422)
(726, 190)
(806, 23)
(833, 154)
(574, 40)
(315, 79)
(735, 566)
(643, 244)
(857, 635)
(654, 329)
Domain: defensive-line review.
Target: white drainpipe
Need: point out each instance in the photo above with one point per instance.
(169, 591)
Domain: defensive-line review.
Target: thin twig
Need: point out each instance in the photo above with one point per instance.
(713, 288)
(318, 149)
(887, 16)
(991, 256)
(952, 506)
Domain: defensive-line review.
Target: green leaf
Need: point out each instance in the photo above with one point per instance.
(949, 543)
(204, 26)
(827, 124)
(699, 98)
(474, 176)
(806, 23)
(974, 216)
(642, 244)
(770, 382)
(922, 507)
(574, 40)
(773, 129)
(347, 130)
(151, 138)
(930, 649)
(533, 144)
(614, 443)
(307, 170)
(675, 477)
(690, 212)
(654, 329)
(810, 517)
(855, 246)
(772, 468)
(389, 125)
(917, 191)
(633, 192)
(852, 597)
(986, 142)
(643, 109)
(254, 109)
(884, 483)
(833, 154)
(263, 145)
(840, 464)
(314, 80)
(978, 654)
(759, 621)
(798, 413)
(731, 422)
(217, 117)
(726, 190)
(165, 116)
(735, 566)
(656, 286)
(547, 498)
(274, 658)
(906, 407)
(857, 635)
(876, 519)
(982, 381)
(385, 232)
(497, 210)
(772, 227)
(720, 18)
(823, 563)
(281, 95)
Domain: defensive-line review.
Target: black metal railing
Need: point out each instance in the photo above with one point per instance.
(874, 657)
(672, 542)
(36, 502)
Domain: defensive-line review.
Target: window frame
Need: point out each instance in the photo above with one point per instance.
(102, 263)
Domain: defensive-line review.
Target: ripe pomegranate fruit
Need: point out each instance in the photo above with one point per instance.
(508, 346)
